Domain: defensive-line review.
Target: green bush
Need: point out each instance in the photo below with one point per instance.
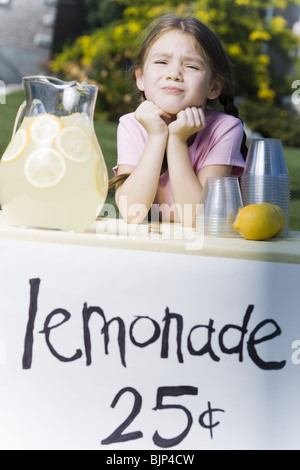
(255, 46)
(272, 121)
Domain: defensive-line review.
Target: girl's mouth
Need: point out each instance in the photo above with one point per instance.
(172, 90)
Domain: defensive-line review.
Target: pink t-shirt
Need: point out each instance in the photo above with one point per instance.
(218, 143)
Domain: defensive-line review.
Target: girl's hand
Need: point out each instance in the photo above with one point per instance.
(151, 117)
(188, 122)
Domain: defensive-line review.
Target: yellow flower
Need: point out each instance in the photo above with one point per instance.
(118, 31)
(260, 36)
(182, 9)
(234, 50)
(266, 94)
(134, 28)
(202, 16)
(278, 23)
(131, 11)
(157, 11)
(264, 59)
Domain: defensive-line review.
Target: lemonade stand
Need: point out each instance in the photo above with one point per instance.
(118, 337)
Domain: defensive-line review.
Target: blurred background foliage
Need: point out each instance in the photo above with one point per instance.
(261, 46)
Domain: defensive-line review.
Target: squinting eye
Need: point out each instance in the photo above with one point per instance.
(194, 67)
(160, 62)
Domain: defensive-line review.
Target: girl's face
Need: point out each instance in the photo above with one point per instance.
(175, 76)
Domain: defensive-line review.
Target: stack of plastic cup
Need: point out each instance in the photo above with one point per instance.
(222, 200)
(265, 177)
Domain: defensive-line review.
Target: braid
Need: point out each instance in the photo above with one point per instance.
(120, 179)
(227, 101)
(117, 180)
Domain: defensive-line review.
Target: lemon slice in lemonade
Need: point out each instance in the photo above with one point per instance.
(45, 168)
(45, 128)
(15, 147)
(74, 144)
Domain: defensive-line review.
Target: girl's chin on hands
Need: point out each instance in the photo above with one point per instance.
(148, 108)
(152, 118)
(188, 122)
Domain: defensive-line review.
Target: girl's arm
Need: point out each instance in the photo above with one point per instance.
(186, 186)
(136, 195)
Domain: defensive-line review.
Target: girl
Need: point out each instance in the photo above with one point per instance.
(173, 142)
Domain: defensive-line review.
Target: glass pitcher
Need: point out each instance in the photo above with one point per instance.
(53, 174)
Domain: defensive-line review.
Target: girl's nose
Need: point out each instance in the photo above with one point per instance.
(175, 76)
(174, 73)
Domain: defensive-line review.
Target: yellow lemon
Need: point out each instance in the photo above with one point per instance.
(281, 214)
(15, 147)
(258, 222)
(45, 168)
(45, 128)
(74, 144)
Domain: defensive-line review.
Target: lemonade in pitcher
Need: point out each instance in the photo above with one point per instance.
(53, 174)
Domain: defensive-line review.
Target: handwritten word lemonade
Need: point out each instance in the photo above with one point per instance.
(52, 174)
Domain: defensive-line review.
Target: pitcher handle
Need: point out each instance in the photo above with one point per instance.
(20, 115)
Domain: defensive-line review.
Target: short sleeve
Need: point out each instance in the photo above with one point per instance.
(220, 144)
(131, 140)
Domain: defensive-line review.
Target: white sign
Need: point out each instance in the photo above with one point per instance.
(110, 349)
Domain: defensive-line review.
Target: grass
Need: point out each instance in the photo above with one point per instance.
(292, 156)
(107, 136)
(107, 132)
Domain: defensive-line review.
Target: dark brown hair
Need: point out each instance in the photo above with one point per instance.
(212, 51)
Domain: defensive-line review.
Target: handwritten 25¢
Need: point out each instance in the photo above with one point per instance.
(206, 419)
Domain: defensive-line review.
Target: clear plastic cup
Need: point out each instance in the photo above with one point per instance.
(265, 177)
(222, 199)
(261, 187)
(273, 189)
(265, 157)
